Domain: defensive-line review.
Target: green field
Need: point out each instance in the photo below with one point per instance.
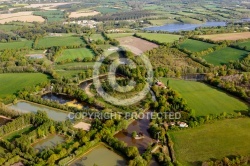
(164, 38)
(13, 45)
(205, 99)
(212, 141)
(17, 134)
(163, 21)
(190, 21)
(60, 41)
(51, 15)
(245, 44)
(68, 66)
(68, 73)
(118, 35)
(96, 37)
(225, 55)
(73, 54)
(195, 45)
(12, 82)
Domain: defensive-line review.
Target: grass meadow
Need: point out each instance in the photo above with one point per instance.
(245, 44)
(51, 15)
(195, 45)
(73, 54)
(47, 42)
(12, 82)
(16, 45)
(119, 35)
(205, 99)
(225, 55)
(164, 38)
(212, 141)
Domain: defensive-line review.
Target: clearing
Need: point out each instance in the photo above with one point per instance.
(136, 45)
(225, 55)
(12, 82)
(212, 141)
(205, 99)
(227, 36)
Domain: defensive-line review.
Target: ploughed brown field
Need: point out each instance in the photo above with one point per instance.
(20, 16)
(136, 45)
(227, 36)
(83, 14)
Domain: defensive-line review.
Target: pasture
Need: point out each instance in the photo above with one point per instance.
(212, 141)
(74, 65)
(72, 54)
(163, 38)
(227, 36)
(96, 36)
(68, 73)
(12, 82)
(195, 45)
(190, 20)
(225, 55)
(163, 21)
(51, 15)
(118, 35)
(205, 99)
(15, 45)
(47, 42)
(245, 44)
(136, 45)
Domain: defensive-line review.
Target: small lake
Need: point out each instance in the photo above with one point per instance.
(67, 100)
(176, 27)
(62, 99)
(49, 142)
(102, 156)
(27, 107)
(140, 125)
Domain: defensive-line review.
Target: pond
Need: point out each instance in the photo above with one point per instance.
(27, 107)
(175, 27)
(49, 142)
(140, 125)
(62, 99)
(100, 155)
(67, 100)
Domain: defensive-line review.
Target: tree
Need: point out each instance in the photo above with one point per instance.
(52, 129)
(134, 134)
(132, 152)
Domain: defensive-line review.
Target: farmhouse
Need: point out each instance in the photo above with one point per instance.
(84, 23)
(183, 124)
